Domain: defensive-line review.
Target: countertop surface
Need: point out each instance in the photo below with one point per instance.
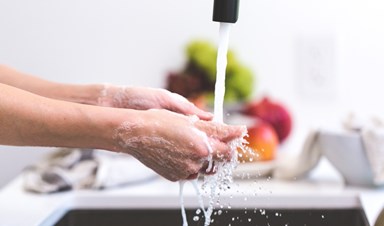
(18, 207)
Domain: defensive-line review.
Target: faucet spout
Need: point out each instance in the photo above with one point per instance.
(225, 11)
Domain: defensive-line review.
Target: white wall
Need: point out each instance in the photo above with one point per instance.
(138, 42)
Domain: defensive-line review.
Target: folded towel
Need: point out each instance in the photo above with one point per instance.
(68, 169)
(369, 139)
(373, 139)
(371, 131)
(299, 166)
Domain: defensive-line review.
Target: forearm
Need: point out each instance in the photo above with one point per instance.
(31, 120)
(86, 94)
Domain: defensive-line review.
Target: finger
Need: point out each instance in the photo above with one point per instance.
(205, 170)
(182, 105)
(220, 131)
(191, 109)
(220, 151)
(203, 115)
(193, 176)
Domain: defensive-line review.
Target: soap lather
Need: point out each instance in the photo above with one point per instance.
(226, 11)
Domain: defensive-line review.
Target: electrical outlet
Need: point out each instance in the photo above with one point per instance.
(315, 60)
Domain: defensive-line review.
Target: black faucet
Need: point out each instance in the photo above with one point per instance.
(225, 11)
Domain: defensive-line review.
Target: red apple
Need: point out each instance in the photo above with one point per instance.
(272, 112)
(262, 143)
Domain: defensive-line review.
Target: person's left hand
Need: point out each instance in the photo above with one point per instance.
(142, 98)
(176, 146)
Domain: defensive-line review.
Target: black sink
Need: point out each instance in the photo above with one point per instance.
(230, 217)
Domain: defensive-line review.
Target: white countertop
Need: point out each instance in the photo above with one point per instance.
(18, 208)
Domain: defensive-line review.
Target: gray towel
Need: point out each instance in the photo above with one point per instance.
(68, 169)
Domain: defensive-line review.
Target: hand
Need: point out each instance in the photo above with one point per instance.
(174, 145)
(140, 98)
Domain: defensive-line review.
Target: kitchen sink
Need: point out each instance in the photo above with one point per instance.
(238, 217)
(274, 210)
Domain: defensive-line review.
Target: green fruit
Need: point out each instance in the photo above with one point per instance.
(239, 78)
(231, 60)
(230, 96)
(203, 54)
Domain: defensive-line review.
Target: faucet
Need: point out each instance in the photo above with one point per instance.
(225, 11)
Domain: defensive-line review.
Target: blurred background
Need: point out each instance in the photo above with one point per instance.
(322, 59)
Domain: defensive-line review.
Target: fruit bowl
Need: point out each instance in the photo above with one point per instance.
(258, 158)
(253, 170)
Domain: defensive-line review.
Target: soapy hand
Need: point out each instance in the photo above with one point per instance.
(174, 145)
(142, 98)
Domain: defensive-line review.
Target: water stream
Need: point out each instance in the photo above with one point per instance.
(223, 170)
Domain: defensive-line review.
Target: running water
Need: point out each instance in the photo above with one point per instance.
(222, 179)
(221, 67)
(217, 180)
(183, 214)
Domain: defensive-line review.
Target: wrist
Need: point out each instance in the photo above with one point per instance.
(112, 96)
(129, 127)
(119, 127)
(83, 94)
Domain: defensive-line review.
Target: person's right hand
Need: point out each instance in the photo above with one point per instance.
(143, 98)
(174, 145)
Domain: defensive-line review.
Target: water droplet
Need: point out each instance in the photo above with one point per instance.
(196, 218)
(198, 211)
(322, 216)
(219, 212)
